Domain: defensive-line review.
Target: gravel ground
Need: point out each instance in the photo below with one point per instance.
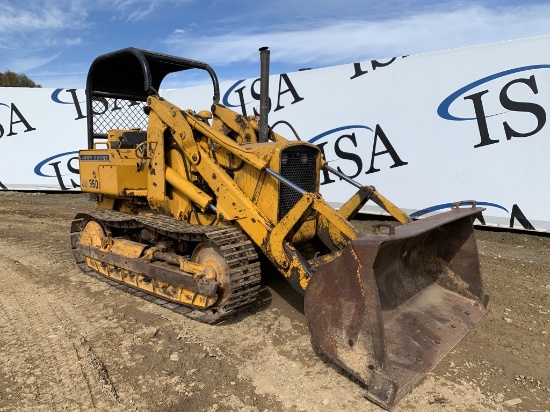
(71, 342)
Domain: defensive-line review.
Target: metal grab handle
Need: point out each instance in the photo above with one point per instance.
(377, 228)
(342, 176)
(285, 181)
(456, 205)
(141, 150)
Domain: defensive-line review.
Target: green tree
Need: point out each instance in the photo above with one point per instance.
(12, 79)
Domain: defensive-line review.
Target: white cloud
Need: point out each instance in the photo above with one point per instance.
(136, 10)
(304, 33)
(24, 64)
(334, 42)
(35, 33)
(73, 42)
(38, 16)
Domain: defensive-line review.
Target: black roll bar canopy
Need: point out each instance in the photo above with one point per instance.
(134, 74)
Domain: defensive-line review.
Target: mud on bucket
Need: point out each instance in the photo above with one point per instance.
(392, 306)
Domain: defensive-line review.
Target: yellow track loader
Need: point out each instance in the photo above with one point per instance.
(185, 202)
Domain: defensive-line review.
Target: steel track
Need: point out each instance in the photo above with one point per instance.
(235, 247)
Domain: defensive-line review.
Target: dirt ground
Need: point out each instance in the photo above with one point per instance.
(71, 342)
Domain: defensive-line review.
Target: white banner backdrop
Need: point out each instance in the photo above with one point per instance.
(426, 130)
(41, 131)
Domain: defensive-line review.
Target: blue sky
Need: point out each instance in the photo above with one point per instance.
(54, 41)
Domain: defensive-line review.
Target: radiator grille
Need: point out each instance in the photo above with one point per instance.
(299, 165)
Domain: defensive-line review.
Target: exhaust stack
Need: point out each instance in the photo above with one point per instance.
(264, 94)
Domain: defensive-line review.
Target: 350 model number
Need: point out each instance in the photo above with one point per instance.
(90, 183)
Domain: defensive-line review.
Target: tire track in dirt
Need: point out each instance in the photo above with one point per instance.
(47, 363)
(129, 354)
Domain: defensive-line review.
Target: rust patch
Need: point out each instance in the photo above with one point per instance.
(391, 307)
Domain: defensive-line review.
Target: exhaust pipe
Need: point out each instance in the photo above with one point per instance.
(264, 94)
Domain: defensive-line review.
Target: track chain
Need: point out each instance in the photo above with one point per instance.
(235, 247)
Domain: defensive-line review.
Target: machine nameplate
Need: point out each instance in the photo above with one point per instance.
(94, 158)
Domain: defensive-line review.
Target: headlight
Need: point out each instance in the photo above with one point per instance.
(284, 159)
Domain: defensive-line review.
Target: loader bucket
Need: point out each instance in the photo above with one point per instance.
(393, 305)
